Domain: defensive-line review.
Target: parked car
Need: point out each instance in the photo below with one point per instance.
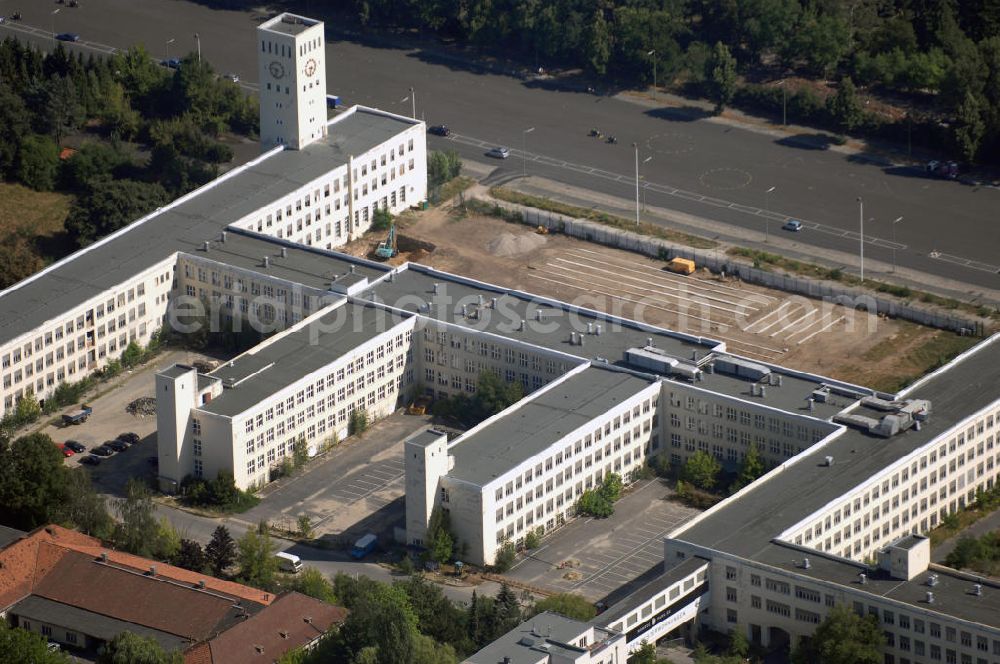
(116, 445)
(440, 130)
(235, 78)
(75, 446)
(498, 153)
(172, 63)
(68, 37)
(102, 451)
(793, 225)
(129, 437)
(66, 452)
(91, 460)
(943, 169)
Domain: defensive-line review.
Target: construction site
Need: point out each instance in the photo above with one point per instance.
(760, 323)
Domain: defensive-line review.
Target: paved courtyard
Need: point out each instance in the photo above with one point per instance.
(600, 557)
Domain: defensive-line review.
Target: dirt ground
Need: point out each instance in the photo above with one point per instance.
(809, 335)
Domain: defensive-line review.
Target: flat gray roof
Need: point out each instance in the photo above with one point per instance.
(531, 641)
(288, 24)
(651, 590)
(745, 526)
(415, 285)
(541, 420)
(92, 624)
(309, 266)
(185, 226)
(279, 362)
(953, 594)
(425, 437)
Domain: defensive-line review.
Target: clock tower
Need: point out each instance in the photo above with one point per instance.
(292, 73)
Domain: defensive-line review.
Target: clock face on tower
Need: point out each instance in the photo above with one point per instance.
(310, 67)
(277, 69)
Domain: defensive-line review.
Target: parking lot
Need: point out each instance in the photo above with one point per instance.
(598, 557)
(110, 418)
(354, 488)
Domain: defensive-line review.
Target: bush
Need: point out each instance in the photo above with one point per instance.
(506, 555)
(381, 219)
(358, 422)
(533, 539)
(220, 494)
(442, 167)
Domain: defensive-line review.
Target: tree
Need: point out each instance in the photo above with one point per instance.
(506, 554)
(14, 126)
(599, 43)
(33, 483)
(843, 637)
(132, 355)
(191, 556)
(137, 531)
(739, 646)
(702, 470)
(508, 611)
(310, 581)
(110, 204)
(844, 107)
(437, 616)
(220, 552)
(84, 507)
(440, 541)
(969, 127)
(381, 219)
(721, 76)
(593, 503)
(256, 558)
(305, 526)
(382, 619)
(18, 258)
(567, 604)
(38, 162)
(533, 538)
(19, 645)
(27, 409)
(442, 167)
(129, 648)
(646, 654)
(300, 452)
(751, 468)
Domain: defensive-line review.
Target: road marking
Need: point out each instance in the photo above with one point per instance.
(964, 262)
(808, 314)
(805, 339)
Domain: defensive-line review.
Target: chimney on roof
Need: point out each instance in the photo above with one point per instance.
(930, 597)
(806, 564)
(307, 619)
(480, 299)
(863, 578)
(352, 268)
(267, 261)
(598, 330)
(977, 590)
(436, 286)
(521, 327)
(201, 584)
(932, 580)
(649, 341)
(590, 328)
(222, 237)
(284, 252)
(152, 570)
(259, 649)
(104, 556)
(493, 302)
(206, 245)
(283, 633)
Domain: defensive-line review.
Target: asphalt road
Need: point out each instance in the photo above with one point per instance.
(698, 166)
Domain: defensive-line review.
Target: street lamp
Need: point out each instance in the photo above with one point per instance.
(54, 27)
(169, 42)
(524, 152)
(636, 147)
(413, 100)
(197, 38)
(653, 55)
(767, 213)
(645, 184)
(861, 222)
(784, 104)
(896, 221)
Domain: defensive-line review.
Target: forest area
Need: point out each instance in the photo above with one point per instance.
(115, 137)
(934, 65)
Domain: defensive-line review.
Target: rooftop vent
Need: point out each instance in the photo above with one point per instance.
(930, 597)
(206, 245)
(597, 330)
(493, 302)
(828, 460)
(590, 328)
(436, 287)
(307, 619)
(481, 298)
(649, 341)
(352, 268)
(932, 580)
(201, 584)
(152, 570)
(977, 590)
(283, 633)
(267, 261)
(222, 237)
(863, 578)
(104, 556)
(259, 649)
(284, 252)
(806, 564)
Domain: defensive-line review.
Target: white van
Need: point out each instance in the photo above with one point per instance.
(288, 562)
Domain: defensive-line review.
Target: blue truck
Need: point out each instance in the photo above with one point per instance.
(364, 546)
(78, 416)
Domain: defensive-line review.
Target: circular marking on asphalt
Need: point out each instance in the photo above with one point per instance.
(670, 143)
(725, 179)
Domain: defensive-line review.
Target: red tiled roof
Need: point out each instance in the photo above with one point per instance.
(291, 621)
(85, 582)
(20, 566)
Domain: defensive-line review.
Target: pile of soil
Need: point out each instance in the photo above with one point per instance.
(142, 407)
(508, 244)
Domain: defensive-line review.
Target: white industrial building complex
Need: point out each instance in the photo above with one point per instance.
(856, 476)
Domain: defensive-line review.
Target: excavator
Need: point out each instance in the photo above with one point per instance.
(388, 249)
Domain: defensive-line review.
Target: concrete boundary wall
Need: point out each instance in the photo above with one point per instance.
(718, 262)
